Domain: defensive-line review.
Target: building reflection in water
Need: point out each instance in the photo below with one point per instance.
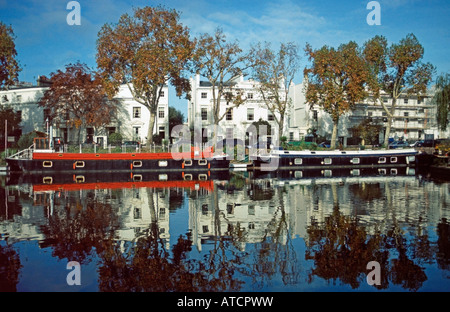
(280, 231)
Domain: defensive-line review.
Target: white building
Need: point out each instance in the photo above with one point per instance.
(236, 122)
(413, 118)
(132, 120)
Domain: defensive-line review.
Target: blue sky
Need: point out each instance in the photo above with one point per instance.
(46, 43)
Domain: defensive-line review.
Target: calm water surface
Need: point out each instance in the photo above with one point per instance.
(238, 232)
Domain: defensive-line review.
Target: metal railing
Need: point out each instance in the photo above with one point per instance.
(24, 154)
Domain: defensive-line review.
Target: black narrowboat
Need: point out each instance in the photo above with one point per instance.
(284, 159)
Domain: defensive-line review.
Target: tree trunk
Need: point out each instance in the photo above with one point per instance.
(389, 122)
(150, 128)
(334, 135)
(280, 130)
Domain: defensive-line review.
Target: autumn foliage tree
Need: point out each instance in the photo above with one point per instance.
(9, 67)
(145, 51)
(78, 99)
(336, 80)
(397, 70)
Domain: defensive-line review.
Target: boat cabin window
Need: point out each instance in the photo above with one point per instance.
(381, 160)
(202, 162)
(162, 163)
(355, 172)
(393, 159)
(355, 160)
(393, 171)
(163, 177)
(137, 178)
(137, 163)
(298, 161)
(327, 161)
(298, 174)
(188, 162)
(47, 164)
(79, 164)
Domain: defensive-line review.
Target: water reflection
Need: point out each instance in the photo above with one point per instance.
(239, 232)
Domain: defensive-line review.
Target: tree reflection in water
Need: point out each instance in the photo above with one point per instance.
(86, 228)
(341, 248)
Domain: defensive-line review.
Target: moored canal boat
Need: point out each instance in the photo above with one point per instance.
(285, 159)
(33, 160)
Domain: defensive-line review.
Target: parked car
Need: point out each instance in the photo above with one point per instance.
(417, 143)
(398, 144)
(131, 143)
(325, 144)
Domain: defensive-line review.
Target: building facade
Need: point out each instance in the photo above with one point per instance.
(413, 118)
(132, 120)
(237, 120)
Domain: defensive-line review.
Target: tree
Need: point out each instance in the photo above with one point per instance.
(275, 72)
(368, 131)
(77, 98)
(397, 70)
(442, 100)
(175, 118)
(221, 62)
(145, 51)
(11, 119)
(9, 67)
(336, 80)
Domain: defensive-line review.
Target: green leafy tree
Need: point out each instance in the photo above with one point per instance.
(9, 67)
(397, 70)
(175, 118)
(442, 100)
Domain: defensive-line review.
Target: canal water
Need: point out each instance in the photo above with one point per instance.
(241, 231)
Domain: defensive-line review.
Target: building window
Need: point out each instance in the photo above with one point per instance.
(250, 96)
(385, 100)
(406, 114)
(291, 136)
(405, 101)
(369, 114)
(270, 116)
(161, 112)
(250, 114)
(230, 114)
(136, 112)
(19, 98)
(136, 131)
(315, 115)
(161, 93)
(204, 95)
(204, 114)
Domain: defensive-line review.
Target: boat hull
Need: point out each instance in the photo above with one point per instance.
(342, 159)
(73, 162)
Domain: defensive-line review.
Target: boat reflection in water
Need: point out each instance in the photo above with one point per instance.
(228, 231)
